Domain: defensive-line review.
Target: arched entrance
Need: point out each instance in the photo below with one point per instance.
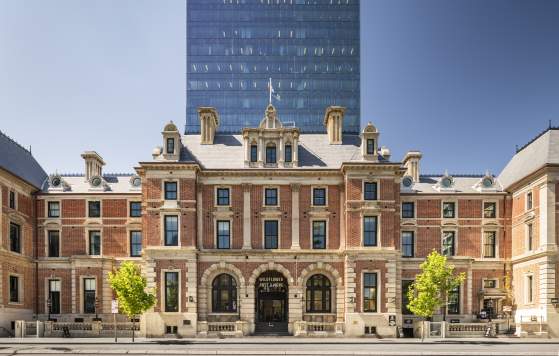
(271, 292)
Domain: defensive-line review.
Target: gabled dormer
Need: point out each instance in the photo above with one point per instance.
(271, 145)
(171, 142)
(369, 143)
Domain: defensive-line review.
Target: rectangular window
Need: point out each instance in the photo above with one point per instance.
(370, 191)
(406, 284)
(271, 196)
(408, 243)
(530, 237)
(170, 190)
(489, 244)
(288, 154)
(135, 209)
(448, 243)
(171, 291)
(270, 234)
(319, 234)
(319, 196)
(271, 154)
(454, 301)
(223, 196)
(14, 289)
(489, 210)
(449, 211)
(94, 243)
(223, 234)
(408, 210)
(370, 292)
(53, 209)
(94, 209)
(171, 146)
(253, 153)
(370, 146)
(529, 289)
(490, 283)
(12, 200)
(370, 230)
(135, 243)
(529, 201)
(89, 295)
(15, 238)
(54, 243)
(171, 223)
(54, 296)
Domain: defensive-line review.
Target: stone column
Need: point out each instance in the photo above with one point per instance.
(295, 187)
(390, 285)
(199, 216)
(280, 151)
(261, 149)
(547, 215)
(547, 283)
(295, 150)
(246, 217)
(247, 149)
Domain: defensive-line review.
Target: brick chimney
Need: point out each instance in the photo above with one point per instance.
(411, 162)
(93, 164)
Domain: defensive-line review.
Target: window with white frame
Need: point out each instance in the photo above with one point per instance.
(319, 234)
(89, 295)
(408, 210)
(15, 237)
(171, 230)
(370, 292)
(271, 196)
(135, 243)
(14, 289)
(319, 196)
(529, 237)
(171, 291)
(271, 234)
(370, 227)
(223, 234)
(94, 209)
(529, 201)
(370, 191)
(53, 209)
(94, 243)
(171, 190)
(54, 296)
(12, 199)
(53, 237)
(490, 244)
(448, 243)
(449, 210)
(408, 243)
(223, 196)
(454, 301)
(489, 210)
(529, 285)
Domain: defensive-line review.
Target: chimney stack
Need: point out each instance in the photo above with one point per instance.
(333, 120)
(209, 121)
(93, 164)
(411, 162)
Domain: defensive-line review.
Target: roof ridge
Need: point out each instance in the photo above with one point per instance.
(13, 141)
(536, 137)
(458, 175)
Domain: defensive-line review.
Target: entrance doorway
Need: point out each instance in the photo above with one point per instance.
(271, 303)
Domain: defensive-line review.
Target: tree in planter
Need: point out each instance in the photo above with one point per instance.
(429, 292)
(130, 288)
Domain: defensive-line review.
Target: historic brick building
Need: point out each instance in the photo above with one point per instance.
(273, 230)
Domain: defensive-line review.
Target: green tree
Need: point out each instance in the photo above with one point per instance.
(429, 292)
(130, 288)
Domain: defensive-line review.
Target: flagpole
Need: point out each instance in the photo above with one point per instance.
(270, 90)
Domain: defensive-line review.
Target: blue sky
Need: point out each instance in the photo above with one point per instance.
(464, 81)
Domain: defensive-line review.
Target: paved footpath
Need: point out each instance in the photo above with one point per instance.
(279, 346)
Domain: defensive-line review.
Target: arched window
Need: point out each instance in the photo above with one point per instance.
(224, 294)
(318, 294)
(271, 153)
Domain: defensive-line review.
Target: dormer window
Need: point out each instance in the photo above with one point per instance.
(253, 153)
(288, 153)
(170, 145)
(370, 146)
(271, 154)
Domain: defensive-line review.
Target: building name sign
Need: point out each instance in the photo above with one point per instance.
(269, 284)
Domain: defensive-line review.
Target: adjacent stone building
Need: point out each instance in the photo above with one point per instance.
(276, 231)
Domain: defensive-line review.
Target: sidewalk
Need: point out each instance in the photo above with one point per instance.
(272, 340)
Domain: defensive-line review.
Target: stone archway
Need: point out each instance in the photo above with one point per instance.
(204, 303)
(336, 280)
(293, 295)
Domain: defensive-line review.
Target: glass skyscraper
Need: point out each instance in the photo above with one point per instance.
(310, 49)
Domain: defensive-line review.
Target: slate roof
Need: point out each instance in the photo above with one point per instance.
(544, 149)
(19, 161)
(462, 185)
(76, 183)
(315, 152)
